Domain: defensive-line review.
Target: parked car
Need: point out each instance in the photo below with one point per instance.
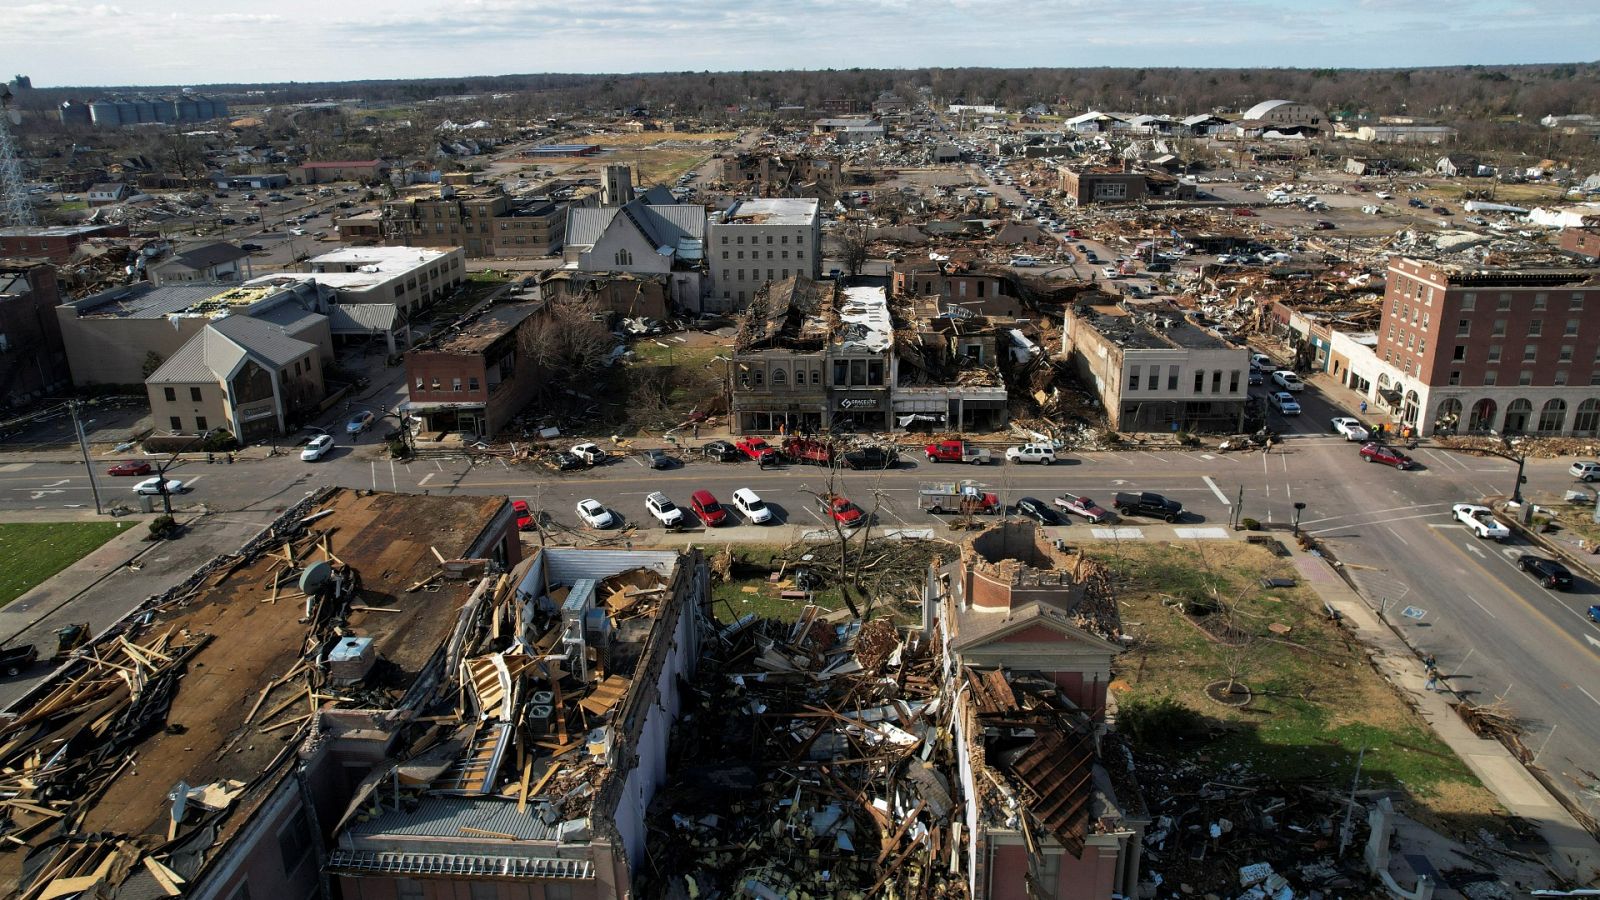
(595, 515)
(1261, 361)
(359, 422)
(1147, 503)
(1413, 202)
(751, 506)
(13, 660)
(1375, 452)
(1288, 380)
(153, 486)
(1082, 505)
(1043, 454)
(756, 448)
(1547, 572)
(721, 451)
(1351, 428)
(1584, 470)
(957, 452)
(1285, 403)
(1038, 510)
(664, 510)
(841, 510)
(130, 467)
(1256, 378)
(707, 509)
(872, 458)
(566, 462)
(1440, 211)
(317, 449)
(1481, 521)
(589, 452)
(660, 459)
(524, 514)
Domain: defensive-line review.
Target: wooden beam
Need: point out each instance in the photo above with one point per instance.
(522, 796)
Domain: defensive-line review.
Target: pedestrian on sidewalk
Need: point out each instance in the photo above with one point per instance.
(1363, 407)
(697, 431)
(1432, 683)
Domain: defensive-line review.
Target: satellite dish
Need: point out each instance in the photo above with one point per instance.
(315, 576)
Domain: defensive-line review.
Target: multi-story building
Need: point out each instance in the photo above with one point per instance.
(247, 376)
(1510, 349)
(319, 172)
(960, 289)
(475, 377)
(777, 173)
(483, 220)
(1156, 370)
(120, 336)
(851, 130)
(642, 238)
(52, 242)
(757, 241)
(33, 360)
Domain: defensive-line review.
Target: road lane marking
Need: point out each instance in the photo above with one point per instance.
(1206, 533)
(1373, 512)
(426, 478)
(1587, 694)
(1476, 552)
(1480, 606)
(1369, 524)
(1216, 490)
(1397, 535)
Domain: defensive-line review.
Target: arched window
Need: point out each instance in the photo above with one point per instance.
(1517, 416)
(1448, 415)
(1587, 420)
(1553, 417)
(779, 378)
(1483, 413)
(624, 257)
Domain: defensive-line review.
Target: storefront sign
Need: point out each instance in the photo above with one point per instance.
(859, 403)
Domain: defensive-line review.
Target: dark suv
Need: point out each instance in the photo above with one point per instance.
(1548, 572)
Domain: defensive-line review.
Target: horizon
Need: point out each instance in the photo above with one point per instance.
(69, 44)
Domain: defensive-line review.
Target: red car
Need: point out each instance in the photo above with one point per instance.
(707, 509)
(1389, 456)
(523, 513)
(843, 511)
(756, 448)
(130, 467)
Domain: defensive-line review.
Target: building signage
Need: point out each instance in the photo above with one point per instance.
(859, 403)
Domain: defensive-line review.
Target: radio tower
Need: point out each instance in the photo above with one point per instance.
(15, 207)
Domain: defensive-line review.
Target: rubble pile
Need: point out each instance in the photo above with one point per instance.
(1532, 447)
(810, 766)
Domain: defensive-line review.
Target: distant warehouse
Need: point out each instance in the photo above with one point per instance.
(546, 151)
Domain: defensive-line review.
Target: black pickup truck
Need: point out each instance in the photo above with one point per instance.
(1148, 504)
(15, 659)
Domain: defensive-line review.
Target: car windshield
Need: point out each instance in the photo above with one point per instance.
(754, 503)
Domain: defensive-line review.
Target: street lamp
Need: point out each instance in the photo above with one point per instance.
(1299, 507)
(1520, 459)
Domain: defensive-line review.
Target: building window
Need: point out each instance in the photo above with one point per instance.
(785, 255)
(194, 394)
(1530, 352)
(1494, 353)
(724, 240)
(1525, 377)
(769, 254)
(411, 889)
(724, 254)
(1233, 382)
(1577, 303)
(455, 385)
(1133, 378)
(1535, 327)
(1172, 378)
(472, 382)
(741, 275)
(200, 424)
(799, 254)
(1490, 377)
(1455, 377)
(1499, 329)
(778, 378)
(1199, 381)
(1566, 353)
(419, 382)
(172, 394)
(1463, 327)
(177, 423)
(294, 842)
(1460, 353)
(741, 239)
(1541, 300)
(1505, 302)
(1561, 378)
(740, 254)
(624, 257)
(1469, 302)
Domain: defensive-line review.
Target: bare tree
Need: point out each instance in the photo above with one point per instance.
(570, 349)
(853, 244)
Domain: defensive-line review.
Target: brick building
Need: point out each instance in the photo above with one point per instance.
(1582, 242)
(1084, 185)
(1511, 350)
(475, 377)
(321, 172)
(52, 242)
(33, 360)
(482, 219)
(976, 291)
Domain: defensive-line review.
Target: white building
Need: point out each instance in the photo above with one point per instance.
(757, 241)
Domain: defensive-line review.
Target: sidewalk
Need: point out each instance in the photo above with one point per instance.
(1573, 851)
(818, 532)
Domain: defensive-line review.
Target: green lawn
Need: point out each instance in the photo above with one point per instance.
(30, 553)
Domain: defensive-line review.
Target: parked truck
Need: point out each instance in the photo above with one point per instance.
(957, 452)
(964, 497)
(1149, 504)
(808, 451)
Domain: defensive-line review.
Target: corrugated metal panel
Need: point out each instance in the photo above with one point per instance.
(358, 862)
(446, 816)
(569, 565)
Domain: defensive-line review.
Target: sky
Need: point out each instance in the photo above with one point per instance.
(178, 42)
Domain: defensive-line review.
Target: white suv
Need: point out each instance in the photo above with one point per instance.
(1043, 454)
(665, 511)
(1585, 470)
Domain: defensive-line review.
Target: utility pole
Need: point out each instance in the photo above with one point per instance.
(83, 446)
(1350, 806)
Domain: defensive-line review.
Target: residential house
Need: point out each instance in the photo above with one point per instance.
(1155, 369)
(478, 375)
(756, 241)
(241, 374)
(641, 238)
(214, 262)
(1084, 185)
(233, 797)
(1030, 632)
(1456, 165)
(106, 192)
(33, 360)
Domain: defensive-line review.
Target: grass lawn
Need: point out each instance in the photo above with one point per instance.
(30, 553)
(748, 590)
(1317, 702)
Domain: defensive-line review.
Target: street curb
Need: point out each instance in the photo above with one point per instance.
(1571, 559)
(46, 613)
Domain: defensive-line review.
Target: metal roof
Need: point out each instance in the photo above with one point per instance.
(434, 816)
(214, 353)
(661, 225)
(363, 318)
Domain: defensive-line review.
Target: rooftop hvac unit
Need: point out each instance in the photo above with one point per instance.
(351, 660)
(539, 718)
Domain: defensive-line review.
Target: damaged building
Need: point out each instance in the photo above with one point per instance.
(1155, 368)
(377, 697)
(476, 375)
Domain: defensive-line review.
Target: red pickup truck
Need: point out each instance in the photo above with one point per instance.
(957, 452)
(756, 448)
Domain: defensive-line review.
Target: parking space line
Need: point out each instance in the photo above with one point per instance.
(1216, 490)
(1480, 606)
